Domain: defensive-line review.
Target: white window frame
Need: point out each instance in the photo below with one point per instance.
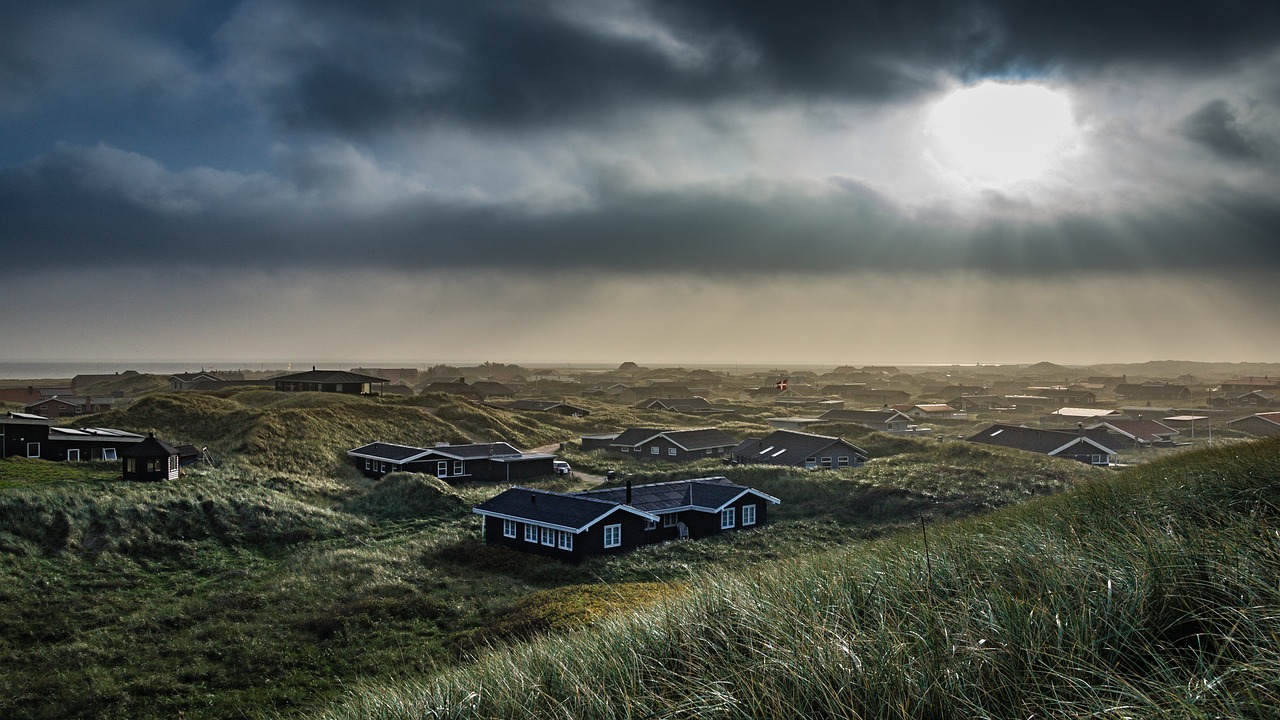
(613, 535)
(810, 463)
(109, 454)
(509, 528)
(33, 449)
(564, 540)
(77, 454)
(654, 450)
(650, 524)
(548, 536)
(842, 461)
(384, 468)
(457, 467)
(368, 464)
(748, 514)
(669, 520)
(625, 449)
(442, 468)
(671, 452)
(531, 533)
(709, 451)
(727, 518)
(826, 462)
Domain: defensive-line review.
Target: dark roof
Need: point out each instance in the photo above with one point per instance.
(711, 493)
(567, 511)
(406, 453)
(694, 439)
(788, 447)
(539, 406)
(149, 448)
(387, 451)
(93, 434)
(1039, 440)
(1142, 430)
(476, 450)
(329, 376)
(879, 417)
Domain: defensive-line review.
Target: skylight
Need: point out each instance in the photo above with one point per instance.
(779, 452)
(997, 432)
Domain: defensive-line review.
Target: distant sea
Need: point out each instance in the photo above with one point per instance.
(37, 370)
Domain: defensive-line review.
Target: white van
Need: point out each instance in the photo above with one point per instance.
(561, 467)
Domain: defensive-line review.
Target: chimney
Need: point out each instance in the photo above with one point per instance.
(313, 368)
(533, 498)
(628, 491)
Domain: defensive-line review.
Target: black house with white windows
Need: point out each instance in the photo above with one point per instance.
(798, 449)
(32, 436)
(572, 526)
(498, 461)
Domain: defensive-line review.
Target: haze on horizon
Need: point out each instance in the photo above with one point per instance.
(699, 182)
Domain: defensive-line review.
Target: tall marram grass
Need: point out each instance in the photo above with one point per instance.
(1149, 593)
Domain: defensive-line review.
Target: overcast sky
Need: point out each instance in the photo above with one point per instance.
(654, 181)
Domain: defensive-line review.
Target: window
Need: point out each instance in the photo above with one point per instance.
(650, 524)
(654, 450)
(842, 461)
(548, 537)
(826, 462)
(73, 455)
(457, 467)
(726, 518)
(565, 540)
(508, 528)
(669, 520)
(625, 450)
(130, 465)
(395, 467)
(109, 454)
(612, 535)
(384, 467)
(33, 449)
(811, 463)
(671, 452)
(748, 515)
(442, 468)
(368, 464)
(531, 533)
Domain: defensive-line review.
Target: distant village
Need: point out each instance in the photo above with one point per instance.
(1098, 419)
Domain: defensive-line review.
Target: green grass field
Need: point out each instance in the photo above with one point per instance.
(281, 583)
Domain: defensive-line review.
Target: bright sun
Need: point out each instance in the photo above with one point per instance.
(997, 134)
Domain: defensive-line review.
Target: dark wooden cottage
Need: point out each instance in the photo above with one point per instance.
(150, 460)
(334, 381)
(1093, 447)
(799, 449)
(89, 443)
(576, 525)
(671, 444)
(23, 435)
(478, 461)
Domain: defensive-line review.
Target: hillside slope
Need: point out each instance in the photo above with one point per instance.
(1148, 593)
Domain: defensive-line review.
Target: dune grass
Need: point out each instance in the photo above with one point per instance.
(1148, 593)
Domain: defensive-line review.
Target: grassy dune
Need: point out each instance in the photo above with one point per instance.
(279, 580)
(1148, 593)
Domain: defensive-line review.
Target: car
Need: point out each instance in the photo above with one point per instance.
(561, 467)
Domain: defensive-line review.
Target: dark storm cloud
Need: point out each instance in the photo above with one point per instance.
(98, 208)
(517, 64)
(1217, 127)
